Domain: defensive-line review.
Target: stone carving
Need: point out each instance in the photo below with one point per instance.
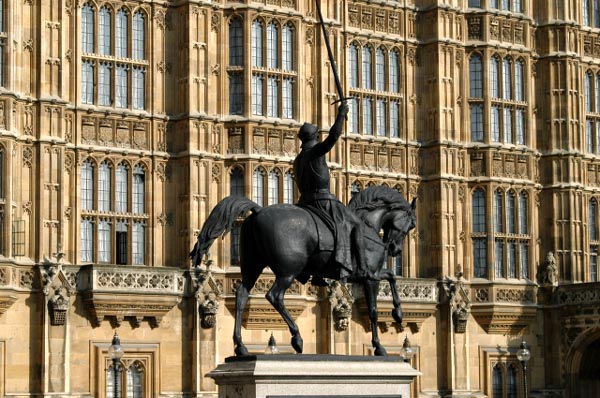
(341, 300)
(514, 296)
(259, 145)
(410, 291)
(353, 17)
(474, 28)
(458, 299)
(547, 274)
(207, 292)
(215, 22)
(393, 22)
(495, 29)
(27, 157)
(235, 140)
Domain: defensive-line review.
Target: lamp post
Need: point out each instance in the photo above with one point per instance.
(524, 355)
(115, 353)
(406, 351)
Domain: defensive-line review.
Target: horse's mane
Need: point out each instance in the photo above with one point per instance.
(375, 197)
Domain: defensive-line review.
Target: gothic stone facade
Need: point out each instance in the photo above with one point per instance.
(123, 123)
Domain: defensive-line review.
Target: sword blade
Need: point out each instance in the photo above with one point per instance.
(336, 76)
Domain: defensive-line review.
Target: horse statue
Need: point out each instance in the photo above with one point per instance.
(285, 238)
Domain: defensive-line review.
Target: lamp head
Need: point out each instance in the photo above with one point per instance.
(115, 351)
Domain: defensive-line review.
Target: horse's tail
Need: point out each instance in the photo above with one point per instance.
(219, 222)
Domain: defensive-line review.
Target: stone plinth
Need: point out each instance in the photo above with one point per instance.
(276, 376)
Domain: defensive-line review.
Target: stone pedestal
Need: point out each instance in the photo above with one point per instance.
(315, 376)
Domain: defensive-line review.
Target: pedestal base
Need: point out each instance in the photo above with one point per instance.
(315, 376)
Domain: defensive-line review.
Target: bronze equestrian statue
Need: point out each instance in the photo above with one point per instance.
(318, 238)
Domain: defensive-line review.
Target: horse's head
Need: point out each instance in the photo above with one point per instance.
(400, 222)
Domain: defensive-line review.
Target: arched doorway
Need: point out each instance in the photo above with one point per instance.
(588, 380)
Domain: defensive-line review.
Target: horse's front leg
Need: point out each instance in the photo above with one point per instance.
(371, 289)
(275, 296)
(391, 278)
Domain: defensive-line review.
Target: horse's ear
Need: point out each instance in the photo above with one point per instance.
(413, 204)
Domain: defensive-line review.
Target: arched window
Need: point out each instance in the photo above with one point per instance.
(87, 82)
(498, 211)
(475, 77)
(87, 28)
(367, 72)
(110, 381)
(507, 79)
(121, 78)
(104, 235)
(236, 185)
(523, 213)
(104, 184)
(593, 220)
(381, 118)
(258, 186)
(511, 385)
(288, 188)
(479, 211)
(494, 78)
(236, 42)
(511, 213)
(497, 385)
(257, 40)
(138, 243)
(104, 31)
(589, 86)
(273, 188)
(272, 41)
(134, 381)
(597, 92)
(87, 240)
(367, 116)
(394, 72)
(121, 194)
(495, 123)
(121, 34)
(380, 69)
(87, 186)
(272, 97)
(353, 115)
(139, 190)
(519, 81)
(287, 47)
(139, 88)
(394, 119)
(139, 36)
(589, 136)
(353, 65)
(586, 12)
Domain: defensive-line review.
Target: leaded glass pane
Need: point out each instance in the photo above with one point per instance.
(104, 84)
(508, 127)
(104, 186)
(381, 118)
(499, 261)
(523, 214)
(121, 34)
(288, 188)
(138, 243)
(272, 97)
(87, 242)
(498, 212)
(507, 79)
(524, 260)
(236, 185)
(588, 83)
(139, 36)
(236, 43)
(87, 82)
(257, 95)
(257, 40)
(495, 124)
(367, 116)
(87, 186)
(353, 65)
(380, 69)
(476, 122)
(139, 190)
(511, 385)
(494, 78)
(353, 115)
(593, 217)
(367, 68)
(394, 72)
(394, 119)
(104, 242)
(288, 99)
(480, 257)
(139, 88)
(519, 81)
(511, 259)
(287, 47)
(121, 97)
(520, 126)
(87, 29)
(273, 188)
(121, 194)
(510, 213)
(236, 94)
(104, 31)
(479, 211)
(272, 42)
(497, 384)
(258, 187)
(475, 77)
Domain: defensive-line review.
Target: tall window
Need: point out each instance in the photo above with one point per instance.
(258, 186)
(121, 188)
(519, 81)
(591, 89)
(593, 237)
(104, 31)
(505, 380)
(132, 380)
(378, 69)
(236, 93)
(236, 182)
(288, 188)
(507, 79)
(113, 73)
(476, 122)
(121, 34)
(353, 65)
(87, 28)
(475, 97)
(475, 77)
(104, 187)
(589, 82)
(118, 232)
(273, 188)
(494, 78)
(139, 36)
(367, 78)
(236, 188)
(236, 42)
(479, 234)
(280, 77)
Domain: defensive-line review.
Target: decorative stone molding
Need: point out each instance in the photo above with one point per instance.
(130, 292)
(341, 300)
(419, 299)
(547, 274)
(207, 292)
(457, 297)
(502, 308)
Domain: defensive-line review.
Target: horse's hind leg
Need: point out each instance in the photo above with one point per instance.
(241, 300)
(275, 296)
(371, 288)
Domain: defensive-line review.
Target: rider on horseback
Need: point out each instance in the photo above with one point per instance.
(312, 178)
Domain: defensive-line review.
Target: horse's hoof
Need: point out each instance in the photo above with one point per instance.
(397, 315)
(241, 350)
(297, 343)
(380, 352)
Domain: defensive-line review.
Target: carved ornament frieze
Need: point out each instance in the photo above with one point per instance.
(367, 17)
